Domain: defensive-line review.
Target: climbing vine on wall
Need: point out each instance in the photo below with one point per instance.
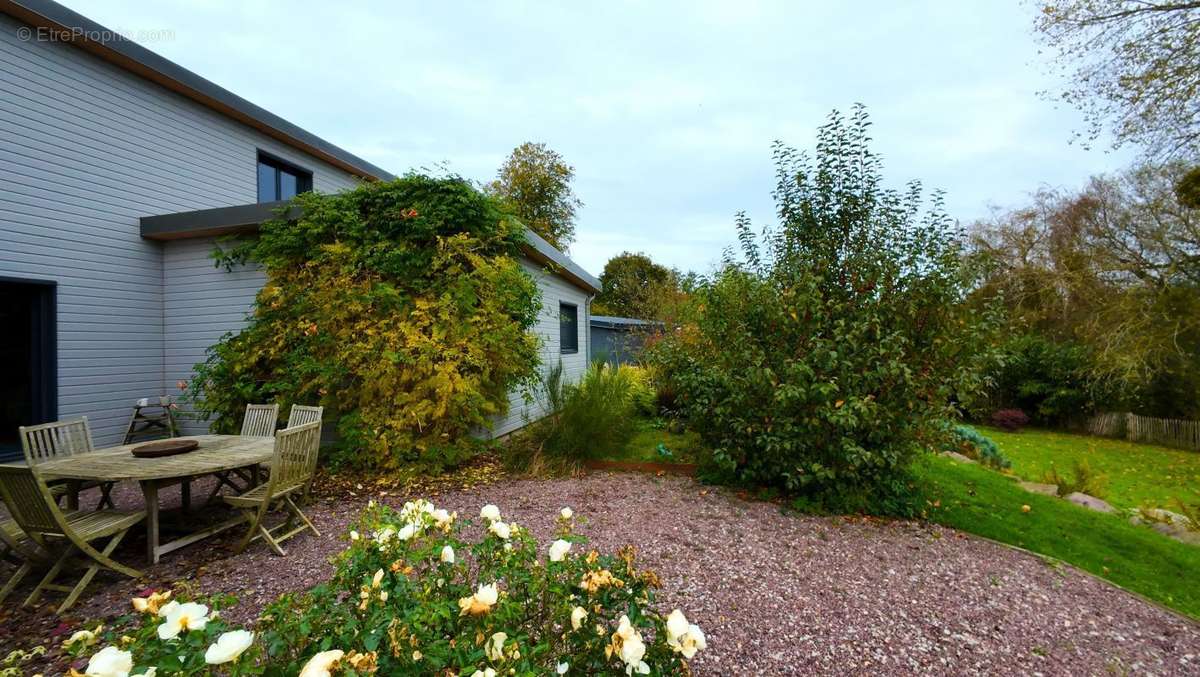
(400, 306)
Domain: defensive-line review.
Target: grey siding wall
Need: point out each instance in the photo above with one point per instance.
(85, 150)
(200, 304)
(554, 290)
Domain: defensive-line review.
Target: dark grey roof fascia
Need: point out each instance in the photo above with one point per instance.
(79, 27)
(219, 221)
(610, 322)
(246, 218)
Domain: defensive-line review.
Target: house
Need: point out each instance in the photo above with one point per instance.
(618, 340)
(118, 169)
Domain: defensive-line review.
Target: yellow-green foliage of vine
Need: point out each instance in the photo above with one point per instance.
(399, 306)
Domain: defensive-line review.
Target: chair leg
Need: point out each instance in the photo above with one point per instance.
(92, 569)
(15, 579)
(303, 518)
(223, 480)
(106, 496)
(252, 520)
(50, 576)
(266, 536)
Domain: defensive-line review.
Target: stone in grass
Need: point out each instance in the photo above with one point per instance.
(958, 457)
(1170, 524)
(1039, 488)
(1090, 502)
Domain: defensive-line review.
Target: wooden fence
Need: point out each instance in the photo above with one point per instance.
(1168, 432)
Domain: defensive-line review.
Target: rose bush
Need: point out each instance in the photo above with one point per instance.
(421, 591)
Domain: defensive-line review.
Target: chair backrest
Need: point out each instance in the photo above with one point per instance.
(295, 457)
(301, 414)
(29, 501)
(261, 420)
(56, 440)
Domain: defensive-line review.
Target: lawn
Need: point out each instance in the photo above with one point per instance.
(652, 439)
(1137, 474)
(980, 501)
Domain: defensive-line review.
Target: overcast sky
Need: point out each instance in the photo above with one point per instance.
(666, 110)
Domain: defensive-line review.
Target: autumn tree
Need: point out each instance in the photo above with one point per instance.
(631, 285)
(534, 184)
(1133, 66)
(1114, 267)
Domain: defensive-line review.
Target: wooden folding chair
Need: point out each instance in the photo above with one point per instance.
(292, 468)
(63, 438)
(301, 414)
(260, 421)
(67, 535)
(19, 550)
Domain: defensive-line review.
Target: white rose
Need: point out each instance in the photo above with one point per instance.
(490, 512)
(407, 531)
(683, 637)
(448, 555)
(228, 647)
(183, 617)
(559, 550)
(495, 646)
(487, 594)
(110, 662)
(321, 665)
(562, 668)
(443, 518)
(500, 529)
(566, 513)
(578, 616)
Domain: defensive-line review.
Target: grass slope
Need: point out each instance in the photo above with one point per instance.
(1138, 474)
(984, 502)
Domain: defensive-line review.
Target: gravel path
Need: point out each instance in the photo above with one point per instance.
(775, 593)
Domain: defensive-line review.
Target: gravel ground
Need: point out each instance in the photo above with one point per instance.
(775, 593)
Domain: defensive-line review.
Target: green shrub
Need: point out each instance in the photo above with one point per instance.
(828, 353)
(420, 592)
(641, 390)
(400, 306)
(1083, 480)
(974, 444)
(1046, 378)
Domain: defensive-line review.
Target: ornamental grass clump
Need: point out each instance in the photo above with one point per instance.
(421, 591)
(399, 306)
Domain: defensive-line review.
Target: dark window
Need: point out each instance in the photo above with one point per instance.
(279, 180)
(568, 327)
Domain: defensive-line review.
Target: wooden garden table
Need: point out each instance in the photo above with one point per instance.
(217, 454)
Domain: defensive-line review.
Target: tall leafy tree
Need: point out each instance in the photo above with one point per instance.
(1134, 66)
(1116, 267)
(535, 185)
(632, 285)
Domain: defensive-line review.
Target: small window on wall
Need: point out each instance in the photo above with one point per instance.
(280, 180)
(568, 328)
